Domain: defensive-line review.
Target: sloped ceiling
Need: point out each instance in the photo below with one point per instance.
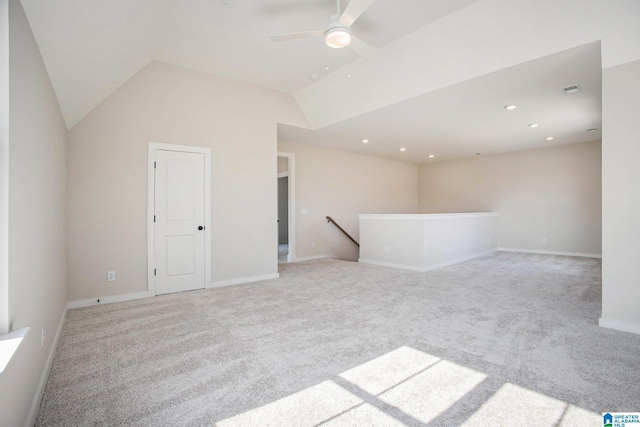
(436, 82)
(91, 47)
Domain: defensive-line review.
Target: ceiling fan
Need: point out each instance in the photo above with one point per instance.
(337, 34)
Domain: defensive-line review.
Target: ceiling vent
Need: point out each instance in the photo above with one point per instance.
(571, 89)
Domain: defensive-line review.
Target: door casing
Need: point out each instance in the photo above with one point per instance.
(151, 259)
(291, 157)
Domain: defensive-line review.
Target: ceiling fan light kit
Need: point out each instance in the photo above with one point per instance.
(338, 37)
(338, 32)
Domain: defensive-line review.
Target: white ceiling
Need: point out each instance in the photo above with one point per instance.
(469, 117)
(91, 47)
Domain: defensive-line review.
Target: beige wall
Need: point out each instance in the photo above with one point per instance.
(552, 193)
(107, 174)
(342, 185)
(37, 282)
(621, 196)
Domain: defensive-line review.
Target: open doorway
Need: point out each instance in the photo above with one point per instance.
(286, 223)
(283, 216)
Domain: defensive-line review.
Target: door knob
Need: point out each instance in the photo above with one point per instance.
(200, 227)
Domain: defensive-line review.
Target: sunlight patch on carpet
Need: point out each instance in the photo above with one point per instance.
(514, 405)
(386, 371)
(421, 386)
(307, 407)
(433, 391)
(364, 415)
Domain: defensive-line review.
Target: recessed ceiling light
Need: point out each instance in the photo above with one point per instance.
(510, 107)
(431, 156)
(315, 77)
(403, 149)
(533, 125)
(349, 75)
(365, 141)
(549, 138)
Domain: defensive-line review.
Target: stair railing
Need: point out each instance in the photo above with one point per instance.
(329, 219)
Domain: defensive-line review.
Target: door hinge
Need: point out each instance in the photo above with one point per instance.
(154, 218)
(154, 271)
(154, 165)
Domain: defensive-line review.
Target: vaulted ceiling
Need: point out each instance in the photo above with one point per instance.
(91, 47)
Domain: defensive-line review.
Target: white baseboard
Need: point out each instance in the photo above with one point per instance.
(459, 260)
(534, 251)
(147, 294)
(389, 264)
(109, 299)
(241, 280)
(44, 377)
(619, 325)
(313, 257)
(428, 267)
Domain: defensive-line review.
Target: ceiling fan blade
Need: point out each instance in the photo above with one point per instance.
(360, 47)
(293, 36)
(354, 9)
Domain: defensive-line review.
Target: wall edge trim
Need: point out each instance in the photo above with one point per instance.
(241, 280)
(313, 257)
(109, 299)
(535, 251)
(619, 325)
(46, 371)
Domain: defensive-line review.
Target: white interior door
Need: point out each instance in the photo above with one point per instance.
(179, 227)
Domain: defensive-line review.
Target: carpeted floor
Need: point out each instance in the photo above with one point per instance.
(511, 339)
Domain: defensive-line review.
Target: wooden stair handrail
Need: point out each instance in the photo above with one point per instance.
(329, 219)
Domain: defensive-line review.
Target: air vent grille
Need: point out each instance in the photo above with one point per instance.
(571, 89)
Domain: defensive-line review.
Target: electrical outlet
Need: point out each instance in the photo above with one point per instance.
(386, 249)
(313, 245)
(42, 341)
(544, 240)
(111, 276)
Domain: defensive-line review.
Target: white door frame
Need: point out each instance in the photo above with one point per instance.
(151, 190)
(291, 157)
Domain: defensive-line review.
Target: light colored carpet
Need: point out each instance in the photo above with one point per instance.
(510, 339)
